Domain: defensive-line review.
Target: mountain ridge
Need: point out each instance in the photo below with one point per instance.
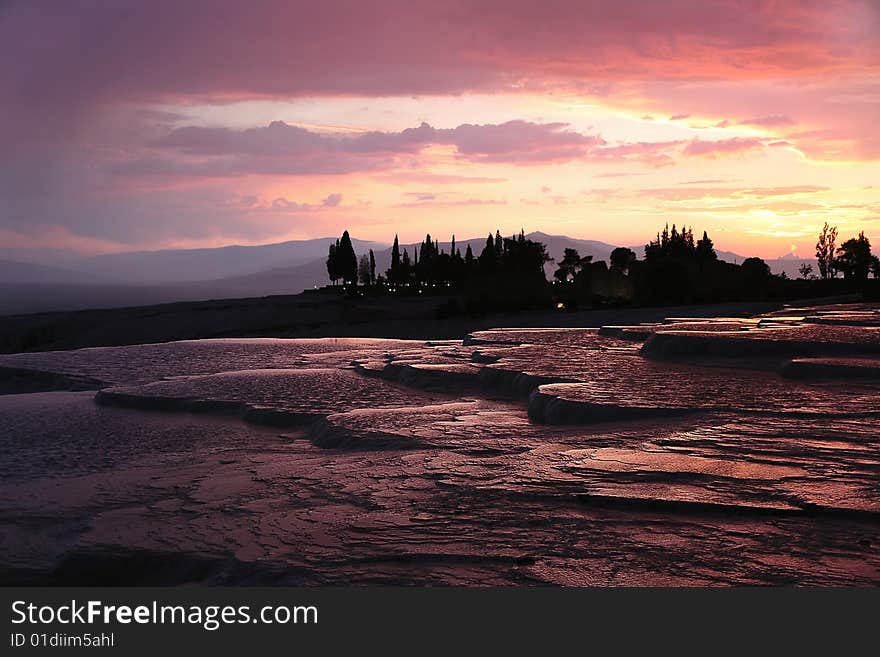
(209, 263)
(277, 268)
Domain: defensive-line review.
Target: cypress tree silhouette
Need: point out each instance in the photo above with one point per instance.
(394, 271)
(705, 250)
(348, 263)
(364, 270)
(489, 256)
(333, 263)
(405, 267)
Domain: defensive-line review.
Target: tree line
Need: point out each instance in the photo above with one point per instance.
(676, 267)
(432, 265)
(852, 259)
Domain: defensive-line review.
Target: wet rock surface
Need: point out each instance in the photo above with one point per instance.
(832, 368)
(274, 397)
(514, 457)
(852, 330)
(151, 362)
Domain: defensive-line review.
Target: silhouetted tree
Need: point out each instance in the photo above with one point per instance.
(705, 250)
(825, 250)
(756, 273)
(672, 244)
(806, 270)
(428, 250)
(854, 258)
(333, 263)
(457, 268)
(489, 256)
(426, 268)
(348, 263)
(622, 259)
(519, 255)
(570, 265)
(677, 269)
(875, 267)
(652, 249)
(372, 268)
(405, 267)
(394, 271)
(364, 270)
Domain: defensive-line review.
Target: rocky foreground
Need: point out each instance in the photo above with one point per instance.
(686, 452)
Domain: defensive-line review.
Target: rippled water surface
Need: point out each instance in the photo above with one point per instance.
(653, 454)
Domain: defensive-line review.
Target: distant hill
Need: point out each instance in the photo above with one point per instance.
(139, 278)
(277, 280)
(294, 278)
(12, 271)
(186, 265)
(556, 245)
(791, 266)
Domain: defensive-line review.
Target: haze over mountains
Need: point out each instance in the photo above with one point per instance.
(148, 277)
(185, 265)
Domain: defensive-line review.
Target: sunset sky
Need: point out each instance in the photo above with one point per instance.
(142, 125)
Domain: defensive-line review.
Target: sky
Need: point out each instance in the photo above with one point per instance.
(144, 125)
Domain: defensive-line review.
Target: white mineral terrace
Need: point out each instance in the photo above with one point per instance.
(718, 451)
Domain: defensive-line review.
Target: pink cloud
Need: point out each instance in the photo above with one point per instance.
(654, 154)
(617, 174)
(282, 203)
(422, 196)
(330, 201)
(307, 164)
(772, 121)
(826, 129)
(406, 177)
(701, 148)
(691, 193)
(57, 59)
(421, 203)
(80, 82)
(280, 148)
(520, 141)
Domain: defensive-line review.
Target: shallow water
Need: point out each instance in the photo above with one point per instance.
(152, 362)
(563, 456)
